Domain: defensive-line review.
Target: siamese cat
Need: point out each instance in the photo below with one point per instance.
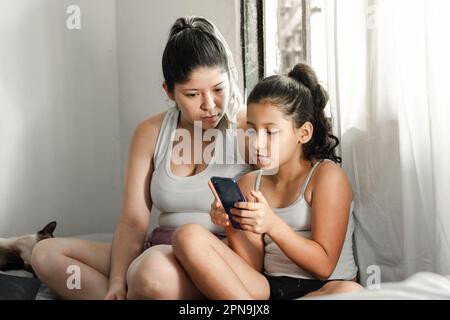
(15, 253)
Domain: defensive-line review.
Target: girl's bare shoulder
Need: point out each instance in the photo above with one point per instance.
(328, 169)
(330, 175)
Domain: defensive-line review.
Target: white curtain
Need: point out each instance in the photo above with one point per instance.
(388, 69)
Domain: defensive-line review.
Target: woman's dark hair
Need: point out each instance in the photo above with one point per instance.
(303, 99)
(192, 43)
(195, 42)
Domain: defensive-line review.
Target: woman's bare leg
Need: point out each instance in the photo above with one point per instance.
(156, 274)
(335, 287)
(51, 259)
(216, 270)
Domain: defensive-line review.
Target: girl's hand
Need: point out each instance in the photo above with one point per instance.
(116, 291)
(218, 215)
(256, 217)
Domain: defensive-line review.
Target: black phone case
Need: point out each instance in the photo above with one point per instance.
(228, 200)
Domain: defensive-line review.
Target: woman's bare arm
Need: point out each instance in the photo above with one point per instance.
(133, 221)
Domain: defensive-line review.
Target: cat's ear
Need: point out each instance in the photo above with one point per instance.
(47, 232)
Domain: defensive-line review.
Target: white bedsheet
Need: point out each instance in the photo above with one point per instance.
(421, 286)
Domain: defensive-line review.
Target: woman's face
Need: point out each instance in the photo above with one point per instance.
(273, 138)
(203, 97)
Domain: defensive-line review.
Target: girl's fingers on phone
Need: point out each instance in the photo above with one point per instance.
(244, 221)
(218, 222)
(219, 218)
(242, 213)
(246, 227)
(249, 222)
(247, 205)
(216, 205)
(225, 219)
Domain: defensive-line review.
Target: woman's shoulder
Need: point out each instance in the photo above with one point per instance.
(146, 132)
(151, 124)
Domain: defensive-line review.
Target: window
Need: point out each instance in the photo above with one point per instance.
(286, 30)
(277, 34)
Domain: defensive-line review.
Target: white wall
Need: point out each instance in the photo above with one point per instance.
(142, 30)
(59, 134)
(70, 100)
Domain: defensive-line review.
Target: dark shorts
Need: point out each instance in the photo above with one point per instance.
(162, 235)
(287, 288)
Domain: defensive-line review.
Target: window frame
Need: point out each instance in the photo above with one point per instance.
(252, 42)
(254, 14)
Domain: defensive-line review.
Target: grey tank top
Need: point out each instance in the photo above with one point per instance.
(184, 200)
(298, 216)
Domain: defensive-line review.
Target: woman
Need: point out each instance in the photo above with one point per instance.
(300, 238)
(200, 77)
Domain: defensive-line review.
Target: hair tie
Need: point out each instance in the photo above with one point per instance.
(187, 25)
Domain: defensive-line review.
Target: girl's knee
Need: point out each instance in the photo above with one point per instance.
(188, 232)
(148, 275)
(188, 236)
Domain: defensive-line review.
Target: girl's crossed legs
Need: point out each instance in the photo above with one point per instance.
(220, 273)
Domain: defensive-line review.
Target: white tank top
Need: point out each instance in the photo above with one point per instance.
(298, 216)
(184, 200)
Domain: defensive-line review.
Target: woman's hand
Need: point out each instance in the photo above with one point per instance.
(218, 215)
(116, 291)
(256, 217)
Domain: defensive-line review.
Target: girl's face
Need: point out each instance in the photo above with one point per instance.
(274, 140)
(203, 97)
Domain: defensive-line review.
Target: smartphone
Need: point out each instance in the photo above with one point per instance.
(228, 192)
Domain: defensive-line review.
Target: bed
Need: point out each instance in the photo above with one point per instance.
(421, 286)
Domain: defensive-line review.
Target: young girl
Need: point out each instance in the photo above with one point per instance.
(200, 77)
(297, 223)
